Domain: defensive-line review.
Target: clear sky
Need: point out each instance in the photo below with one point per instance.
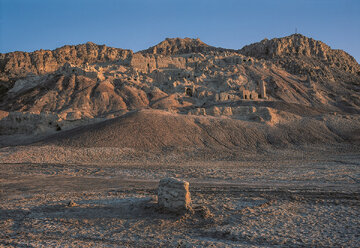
(28, 25)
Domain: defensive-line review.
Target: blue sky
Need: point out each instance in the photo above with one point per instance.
(28, 25)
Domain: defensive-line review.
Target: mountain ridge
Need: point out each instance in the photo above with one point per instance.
(43, 61)
(298, 45)
(173, 46)
(260, 83)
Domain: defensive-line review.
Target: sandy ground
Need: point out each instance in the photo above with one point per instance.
(261, 201)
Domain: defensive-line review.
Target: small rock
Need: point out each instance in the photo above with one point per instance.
(203, 211)
(174, 195)
(72, 204)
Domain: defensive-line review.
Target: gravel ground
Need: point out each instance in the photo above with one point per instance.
(277, 201)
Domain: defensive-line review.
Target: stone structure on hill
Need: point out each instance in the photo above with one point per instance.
(262, 86)
(254, 95)
(95, 81)
(190, 91)
(174, 195)
(246, 94)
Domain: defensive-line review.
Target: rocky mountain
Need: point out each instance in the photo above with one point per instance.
(272, 82)
(329, 70)
(172, 46)
(303, 56)
(20, 64)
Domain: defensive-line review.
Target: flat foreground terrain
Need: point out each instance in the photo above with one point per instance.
(311, 200)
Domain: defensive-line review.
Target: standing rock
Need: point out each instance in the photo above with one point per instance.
(174, 195)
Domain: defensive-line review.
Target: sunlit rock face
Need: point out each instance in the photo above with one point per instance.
(185, 76)
(299, 54)
(174, 195)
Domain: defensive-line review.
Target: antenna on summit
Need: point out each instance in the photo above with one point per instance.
(296, 31)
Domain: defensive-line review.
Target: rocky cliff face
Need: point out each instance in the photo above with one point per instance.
(20, 64)
(299, 47)
(180, 46)
(180, 75)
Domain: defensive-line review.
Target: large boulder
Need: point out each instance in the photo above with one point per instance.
(174, 195)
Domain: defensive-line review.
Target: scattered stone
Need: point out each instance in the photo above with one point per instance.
(203, 211)
(174, 195)
(72, 204)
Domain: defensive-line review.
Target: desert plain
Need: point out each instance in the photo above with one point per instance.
(267, 136)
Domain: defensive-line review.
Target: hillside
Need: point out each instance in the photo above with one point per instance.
(174, 46)
(260, 88)
(330, 70)
(157, 130)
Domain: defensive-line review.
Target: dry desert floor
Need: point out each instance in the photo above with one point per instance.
(289, 198)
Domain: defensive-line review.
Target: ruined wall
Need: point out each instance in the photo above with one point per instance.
(149, 63)
(145, 64)
(171, 62)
